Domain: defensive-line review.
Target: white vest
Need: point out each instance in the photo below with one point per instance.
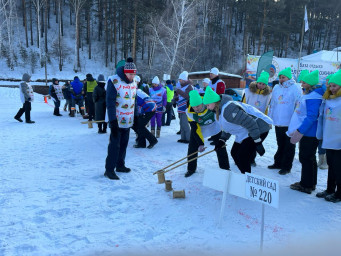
(125, 101)
(29, 91)
(214, 86)
(283, 103)
(300, 112)
(58, 91)
(332, 124)
(239, 131)
(256, 100)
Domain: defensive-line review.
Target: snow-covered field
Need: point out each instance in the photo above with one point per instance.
(54, 199)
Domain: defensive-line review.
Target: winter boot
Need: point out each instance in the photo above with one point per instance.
(152, 130)
(105, 124)
(324, 164)
(57, 112)
(158, 131)
(100, 131)
(72, 113)
(83, 113)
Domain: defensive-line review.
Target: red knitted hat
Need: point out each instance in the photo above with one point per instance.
(130, 67)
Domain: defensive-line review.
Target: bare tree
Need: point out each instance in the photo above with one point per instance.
(39, 5)
(77, 7)
(172, 29)
(7, 15)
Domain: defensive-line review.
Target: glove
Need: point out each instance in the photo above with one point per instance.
(260, 149)
(201, 148)
(114, 128)
(219, 144)
(296, 136)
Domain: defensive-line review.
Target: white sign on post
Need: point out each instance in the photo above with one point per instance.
(262, 189)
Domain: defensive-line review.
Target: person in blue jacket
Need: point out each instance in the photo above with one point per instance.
(145, 110)
(77, 92)
(303, 127)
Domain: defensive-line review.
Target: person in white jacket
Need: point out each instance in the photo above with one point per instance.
(26, 96)
(285, 96)
(329, 130)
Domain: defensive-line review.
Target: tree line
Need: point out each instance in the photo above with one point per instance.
(164, 36)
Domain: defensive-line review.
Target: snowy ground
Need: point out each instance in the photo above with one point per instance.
(54, 199)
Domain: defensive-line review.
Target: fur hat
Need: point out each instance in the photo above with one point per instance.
(214, 71)
(286, 72)
(311, 78)
(210, 96)
(26, 77)
(101, 79)
(130, 67)
(194, 98)
(183, 76)
(155, 80)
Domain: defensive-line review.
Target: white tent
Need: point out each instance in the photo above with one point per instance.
(329, 56)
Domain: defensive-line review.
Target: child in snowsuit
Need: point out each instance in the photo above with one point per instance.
(159, 95)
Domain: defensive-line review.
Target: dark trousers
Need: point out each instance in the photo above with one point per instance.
(26, 108)
(143, 133)
(91, 105)
(168, 113)
(56, 106)
(307, 156)
(285, 150)
(117, 149)
(243, 153)
(193, 146)
(334, 171)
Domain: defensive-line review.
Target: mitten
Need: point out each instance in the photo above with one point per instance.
(201, 148)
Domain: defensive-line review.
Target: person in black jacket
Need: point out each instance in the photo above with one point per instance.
(67, 96)
(99, 98)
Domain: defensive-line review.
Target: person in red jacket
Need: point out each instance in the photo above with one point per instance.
(216, 83)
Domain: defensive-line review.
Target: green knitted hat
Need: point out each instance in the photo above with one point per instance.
(263, 77)
(335, 79)
(311, 78)
(194, 98)
(210, 96)
(303, 73)
(286, 72)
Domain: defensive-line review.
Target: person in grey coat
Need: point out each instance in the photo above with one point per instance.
(248, 124)
(98, 96)
(26, 96)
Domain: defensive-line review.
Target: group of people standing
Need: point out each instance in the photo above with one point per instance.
(301, 113)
